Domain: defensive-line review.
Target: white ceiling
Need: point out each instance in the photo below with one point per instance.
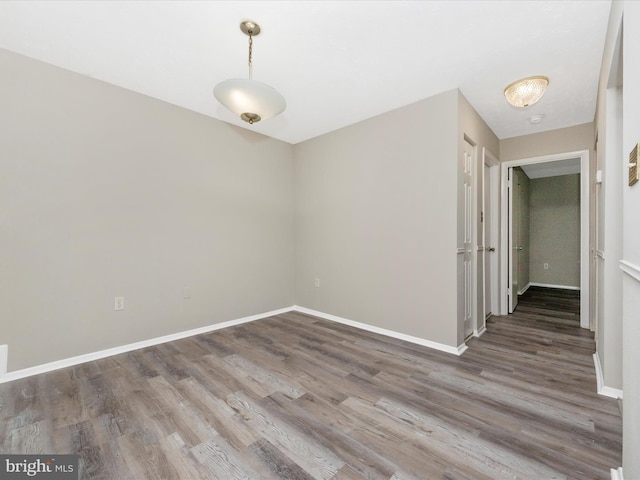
(335, 62)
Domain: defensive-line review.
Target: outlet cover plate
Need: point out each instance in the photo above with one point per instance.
(118, 303)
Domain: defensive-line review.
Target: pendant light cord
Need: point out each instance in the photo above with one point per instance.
(250, 55)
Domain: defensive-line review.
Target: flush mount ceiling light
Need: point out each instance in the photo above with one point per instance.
(252, 101)
(526, 92)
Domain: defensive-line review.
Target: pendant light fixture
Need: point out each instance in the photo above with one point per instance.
(527, 91)
(252, 101)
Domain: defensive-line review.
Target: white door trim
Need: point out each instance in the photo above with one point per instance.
(470, 160)
(513, 203)
(584, 226)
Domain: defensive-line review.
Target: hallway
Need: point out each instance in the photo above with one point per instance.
(552, 306)
(541, 367)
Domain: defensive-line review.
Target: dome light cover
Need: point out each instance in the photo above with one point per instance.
(527, 91)
(249, 99)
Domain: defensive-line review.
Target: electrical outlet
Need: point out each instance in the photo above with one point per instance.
(546, 266)
(317, 283)
(119, 303)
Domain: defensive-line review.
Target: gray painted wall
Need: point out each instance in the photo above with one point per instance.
(631, 244)
(570, 139)
(124, 195)
(376, 220)
(555, 230)
(618, 338)
(609, 201)
(110, 193)
(608, 245)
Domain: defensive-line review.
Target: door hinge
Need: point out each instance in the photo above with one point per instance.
(481, 217)
(509, 183)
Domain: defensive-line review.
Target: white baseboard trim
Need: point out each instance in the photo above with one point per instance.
(603, 389)
(549, 285)
(520, 292)
(630, 269)
(616, 474)
(480, 331)
(383, 331)
(89, 357)
(610, 392)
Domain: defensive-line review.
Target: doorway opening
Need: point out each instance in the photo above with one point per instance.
(514, 251)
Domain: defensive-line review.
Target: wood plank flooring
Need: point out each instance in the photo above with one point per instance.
(554, 307)
(297, 397)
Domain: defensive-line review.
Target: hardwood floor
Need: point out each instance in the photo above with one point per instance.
(554, 307)
(297, 397)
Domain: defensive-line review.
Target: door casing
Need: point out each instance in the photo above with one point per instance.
(584, 226)
(513, 190)
(470, 280)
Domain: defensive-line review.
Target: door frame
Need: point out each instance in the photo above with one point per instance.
(585, 226)
(470, 241)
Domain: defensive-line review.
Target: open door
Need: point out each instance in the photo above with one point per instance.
(514, 238)
(487, 241)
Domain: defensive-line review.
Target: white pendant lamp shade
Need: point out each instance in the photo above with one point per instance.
(526, 92)
(250, 100)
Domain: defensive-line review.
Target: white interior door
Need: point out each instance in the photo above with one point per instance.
(488, 242)
(491, 229)
(514, 239)
(468, 238)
